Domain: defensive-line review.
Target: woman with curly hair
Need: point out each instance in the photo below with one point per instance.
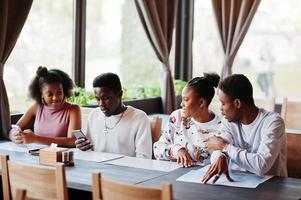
(51, 117)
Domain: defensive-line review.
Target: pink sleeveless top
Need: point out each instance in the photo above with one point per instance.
(52, 122)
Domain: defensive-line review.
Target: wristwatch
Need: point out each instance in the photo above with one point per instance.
(225, 149)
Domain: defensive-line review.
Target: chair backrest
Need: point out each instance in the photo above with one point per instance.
(156, 128)
(294, 155)
(84, 117)
(40, 182)
(156, 123)
(107, 190)
(291, 114)
(20, 194)
(267, 104)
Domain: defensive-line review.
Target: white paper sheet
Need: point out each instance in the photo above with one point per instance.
(293, 131)
(95, 156)
(165, 166)
(10, 146)
(241, 179)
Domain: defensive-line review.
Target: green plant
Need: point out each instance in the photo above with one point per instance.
(149, 91)
(81, 97)
(130, 92)
(140, 91)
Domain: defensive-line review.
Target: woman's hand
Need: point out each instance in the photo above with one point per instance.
(28, 136)
(184, 158)
(83, 144)
(15, 135)
(219, 167)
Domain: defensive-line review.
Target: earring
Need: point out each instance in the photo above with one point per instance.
(43, 101)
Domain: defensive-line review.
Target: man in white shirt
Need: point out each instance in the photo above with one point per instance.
(253, 139)
(114, 127)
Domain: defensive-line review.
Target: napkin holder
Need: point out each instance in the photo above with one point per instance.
(51, 156)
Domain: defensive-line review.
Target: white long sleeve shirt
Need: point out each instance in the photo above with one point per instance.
(259, 147)
(127, 134)
(176, 135)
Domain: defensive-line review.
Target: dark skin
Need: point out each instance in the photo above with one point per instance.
(219, 167)
(109, 103)
(233, 110)
(53, 95)
(196, 107)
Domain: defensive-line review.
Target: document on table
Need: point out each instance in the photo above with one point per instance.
(293, 131)
(158, 165)
(241, 179)
(95, 156)
(10, 146)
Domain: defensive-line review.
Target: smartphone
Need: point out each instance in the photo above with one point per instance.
(78, 134)
(34, 152)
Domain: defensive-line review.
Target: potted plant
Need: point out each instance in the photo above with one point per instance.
(82, 97)
(147, 98)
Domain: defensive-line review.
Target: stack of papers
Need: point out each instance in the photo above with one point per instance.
(157, 165)
(241, 179)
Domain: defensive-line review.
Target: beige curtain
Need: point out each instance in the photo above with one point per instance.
(13, 14)
(158, 19)
(233, 19)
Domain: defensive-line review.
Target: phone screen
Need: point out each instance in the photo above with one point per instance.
(78, 134)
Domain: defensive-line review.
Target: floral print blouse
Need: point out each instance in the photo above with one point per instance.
(189, 135)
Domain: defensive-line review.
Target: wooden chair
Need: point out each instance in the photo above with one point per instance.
(107, 190)
(20, 194)
(156, 123)
(84, 117)
(40, 182)
(294, 155)
(267, 104)
(291, 114)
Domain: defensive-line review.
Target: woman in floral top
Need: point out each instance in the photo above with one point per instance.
(183, 136)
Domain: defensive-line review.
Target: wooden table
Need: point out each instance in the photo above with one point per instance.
(79, 179)
(275, 188)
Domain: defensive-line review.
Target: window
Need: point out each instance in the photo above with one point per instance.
(46, 39)
(207, 50)
(116, 42)
(270, 54)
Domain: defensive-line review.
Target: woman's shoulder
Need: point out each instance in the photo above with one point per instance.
(33, 109)
(176, 113)
(176, 117)
(217, 118)
(71, 107)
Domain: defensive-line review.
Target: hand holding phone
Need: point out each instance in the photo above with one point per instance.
(15, 134)
(78, 134)
(81, 141)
